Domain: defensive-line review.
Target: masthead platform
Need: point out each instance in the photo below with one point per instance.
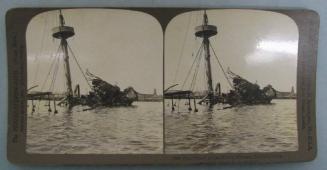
(63, 32)
(205, 31)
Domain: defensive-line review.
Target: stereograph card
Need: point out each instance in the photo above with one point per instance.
(123, 86)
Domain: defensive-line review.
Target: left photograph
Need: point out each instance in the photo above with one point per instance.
(95, 80)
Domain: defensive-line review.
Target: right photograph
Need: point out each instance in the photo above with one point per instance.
(230, 82)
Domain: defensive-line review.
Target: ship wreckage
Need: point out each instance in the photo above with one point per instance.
(245, 92)
(101, 92)
(106, 94)
(242, 92)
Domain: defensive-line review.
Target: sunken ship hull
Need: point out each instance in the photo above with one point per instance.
(106, 94)
(242, 91)
(245, 92)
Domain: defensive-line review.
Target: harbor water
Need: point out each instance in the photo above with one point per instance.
(139, 129)
(244, 129)
(117, 130)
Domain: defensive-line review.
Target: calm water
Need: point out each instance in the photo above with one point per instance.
(136, 129)
(139, 129)
(259, 128)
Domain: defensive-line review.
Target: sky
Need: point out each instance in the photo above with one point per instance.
(260, 46)
(125, 48)
(120, 46)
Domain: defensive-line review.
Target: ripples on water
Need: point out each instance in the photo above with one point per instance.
(139, 129)
(120, 130)
(257, 128)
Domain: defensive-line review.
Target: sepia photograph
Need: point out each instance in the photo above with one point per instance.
(94, 82)
(170, 86)
(230, 82)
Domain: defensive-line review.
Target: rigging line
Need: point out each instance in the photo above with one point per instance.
(79, 66)
(46, 79)
(205, 76)
(42, 46)
(221, 67)
(199, 61)
(195, 72)
(58, 70)
(195, 76)
(193, 82)
(53, 75)
(53, 62)
(51, 88)
(205, 82)
(183, 48)
(198, 69)
(189, 72)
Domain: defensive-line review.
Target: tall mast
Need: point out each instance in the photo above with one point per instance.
(63, 32)
(206, 31)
